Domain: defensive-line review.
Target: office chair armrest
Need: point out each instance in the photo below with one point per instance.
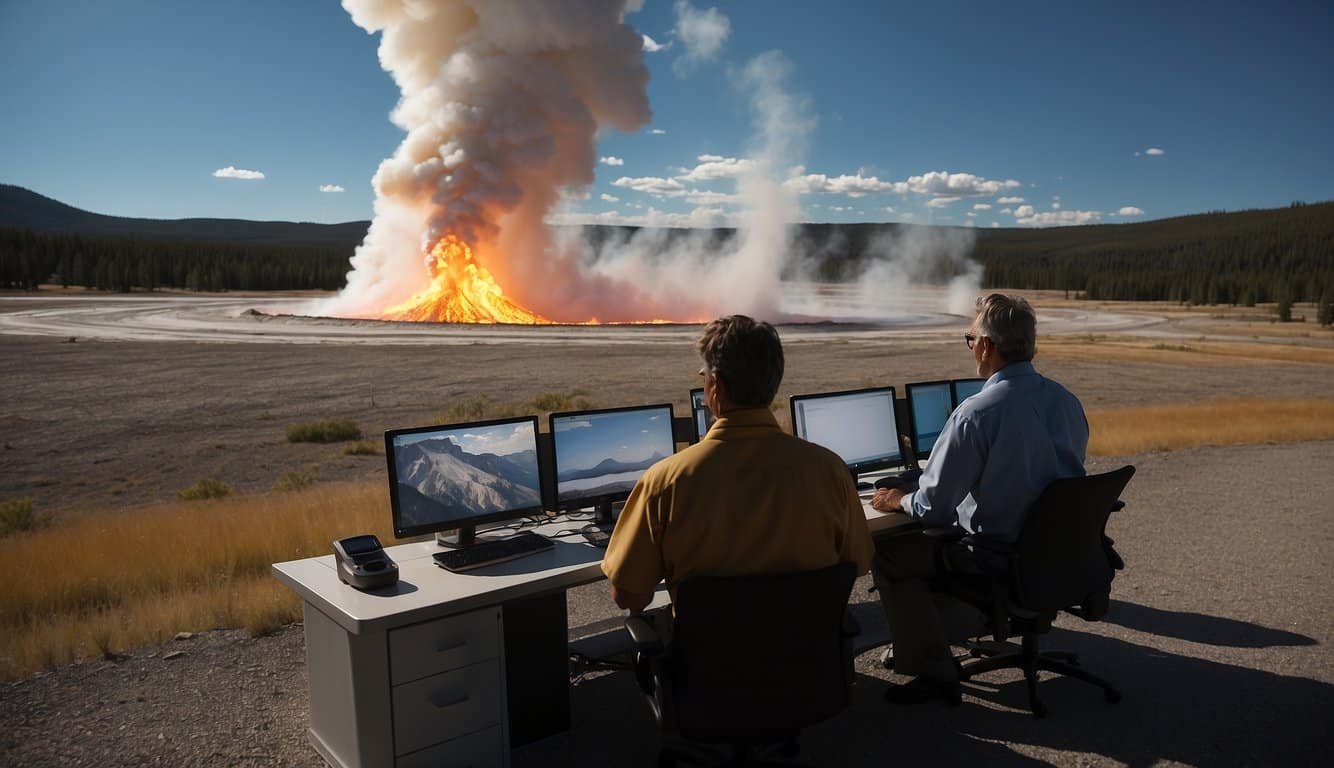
(988, 544)
(946, 533)
(644, 636)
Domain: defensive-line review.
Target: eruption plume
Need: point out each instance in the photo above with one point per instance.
(502, 101)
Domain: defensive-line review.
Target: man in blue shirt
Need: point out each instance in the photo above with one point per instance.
(996, 454)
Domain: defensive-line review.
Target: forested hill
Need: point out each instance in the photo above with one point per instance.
(1212, 258)
(1240, 257)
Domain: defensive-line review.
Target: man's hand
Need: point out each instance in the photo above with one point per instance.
(887, 500)
(634, 602)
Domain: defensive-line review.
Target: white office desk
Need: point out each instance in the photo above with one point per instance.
(416, 674)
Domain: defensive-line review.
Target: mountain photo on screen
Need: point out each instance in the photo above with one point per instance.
(454, 474)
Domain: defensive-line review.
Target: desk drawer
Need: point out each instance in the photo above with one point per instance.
(484, 749)
(446, 706)
(436, 646)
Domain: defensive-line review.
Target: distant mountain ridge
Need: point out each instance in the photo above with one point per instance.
(24, 209)
(610, 467)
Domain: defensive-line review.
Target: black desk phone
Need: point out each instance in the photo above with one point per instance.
(363, 563)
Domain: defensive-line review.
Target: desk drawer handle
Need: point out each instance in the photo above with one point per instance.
(434, 699)
(443, 647)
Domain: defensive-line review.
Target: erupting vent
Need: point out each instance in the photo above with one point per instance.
(461, 291)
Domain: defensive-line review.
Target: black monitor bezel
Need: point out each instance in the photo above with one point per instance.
(918, 453)
(601, 499)
(492, 517)
(954, 389)
(694, 414)
(861, 466)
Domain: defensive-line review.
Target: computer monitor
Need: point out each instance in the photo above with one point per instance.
(965, 388)
(700, 415)
(600, 455)
(858, 425)
(929, 405)
(459, 476)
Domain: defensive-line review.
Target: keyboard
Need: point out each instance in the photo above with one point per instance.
(492, 552)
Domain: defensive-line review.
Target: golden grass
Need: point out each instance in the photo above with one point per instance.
(1123, 431)
(1179, 352)
(143, 575)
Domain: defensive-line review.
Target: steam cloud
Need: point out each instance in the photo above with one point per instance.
(502, 101)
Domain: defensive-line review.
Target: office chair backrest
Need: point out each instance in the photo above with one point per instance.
(1061, 556)
(756, 658)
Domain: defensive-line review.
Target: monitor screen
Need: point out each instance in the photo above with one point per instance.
(930, 404)
(966, 388)
(700, 413)
(462, 474)
(859, 426)
(600, 455)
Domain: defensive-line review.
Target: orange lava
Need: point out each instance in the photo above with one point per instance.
(461, 291)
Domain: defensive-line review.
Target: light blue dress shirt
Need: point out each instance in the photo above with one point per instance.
(998, 451)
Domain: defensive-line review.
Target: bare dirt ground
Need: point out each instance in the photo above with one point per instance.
(1220, 634)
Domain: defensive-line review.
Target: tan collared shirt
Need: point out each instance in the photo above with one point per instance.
(747, 498)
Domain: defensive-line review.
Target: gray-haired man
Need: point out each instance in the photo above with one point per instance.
(997, 452)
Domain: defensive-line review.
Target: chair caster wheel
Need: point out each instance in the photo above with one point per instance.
(1113, 697)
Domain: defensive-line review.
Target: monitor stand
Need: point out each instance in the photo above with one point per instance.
(605, 518)
(464, 536)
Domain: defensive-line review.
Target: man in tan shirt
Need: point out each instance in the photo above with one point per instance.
(748, 497)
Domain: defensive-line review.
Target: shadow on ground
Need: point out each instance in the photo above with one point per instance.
(1176, 708)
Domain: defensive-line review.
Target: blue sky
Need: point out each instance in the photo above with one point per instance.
(130, 108)
(626, 436)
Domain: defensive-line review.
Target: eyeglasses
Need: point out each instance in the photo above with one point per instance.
(970, 339)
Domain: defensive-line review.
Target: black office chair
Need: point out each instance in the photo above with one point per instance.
(1063, 561)
(750, 661)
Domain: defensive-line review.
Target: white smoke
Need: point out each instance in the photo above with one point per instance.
(901, 261)
(502, 101)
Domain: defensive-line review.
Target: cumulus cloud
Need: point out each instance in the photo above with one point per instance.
(1130, 210)
(1024, 211)
(1007, 210)
(1154, 152)
(889, 209)
(327, 187)
(702, 32)
(653, 46)
(1009, 200)
(1058, 218)
(713, 167)
(611, 160)
(852, 186)
(1056, 206)
(709, 197)
(941, 183)
(606, 198)
(942, 201)
(657, 132)
(982, 206)
(652, 185)
(237, 173)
